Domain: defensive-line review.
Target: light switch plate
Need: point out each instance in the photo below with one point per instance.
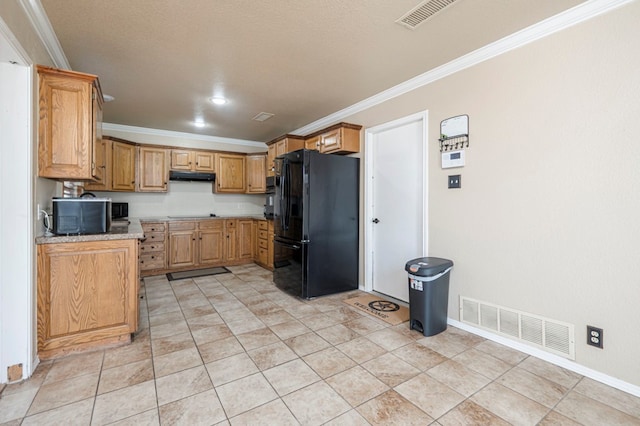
(455, 181)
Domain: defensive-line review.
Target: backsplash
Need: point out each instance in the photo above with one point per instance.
(188, 198)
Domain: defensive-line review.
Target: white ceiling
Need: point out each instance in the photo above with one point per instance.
(298, 59)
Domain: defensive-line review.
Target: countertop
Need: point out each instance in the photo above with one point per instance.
(121, 231)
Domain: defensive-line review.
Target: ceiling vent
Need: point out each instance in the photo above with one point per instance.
(422, 12)
(263, 116)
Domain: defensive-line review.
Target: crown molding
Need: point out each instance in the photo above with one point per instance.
(42, 26)
(181, 135)
(554, 24)
(14, 50)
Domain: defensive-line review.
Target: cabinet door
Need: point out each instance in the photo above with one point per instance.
(256, 174)
(105, 184)
(312, 143)
(182, 248)
(281, 147)
(271, 156)
(204, 161)
(181, 159)
(231, 249)
(212, 246)
(246, 239)
(98, 163)
(65, 127)
(87, 294)
(152, 169)
(230, 176)
(330, 141)
(124, 167)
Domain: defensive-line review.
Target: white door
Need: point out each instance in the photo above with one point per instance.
(396, 215)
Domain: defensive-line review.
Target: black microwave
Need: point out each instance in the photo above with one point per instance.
(72, 216)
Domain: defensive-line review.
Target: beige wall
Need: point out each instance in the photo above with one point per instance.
(548, 217)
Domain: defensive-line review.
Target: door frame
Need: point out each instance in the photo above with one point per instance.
(371, 136)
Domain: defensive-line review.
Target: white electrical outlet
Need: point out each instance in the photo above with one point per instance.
(38, 211)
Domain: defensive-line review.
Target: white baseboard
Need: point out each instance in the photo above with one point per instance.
(553, 359)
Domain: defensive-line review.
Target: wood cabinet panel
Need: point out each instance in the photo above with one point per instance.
(182, 248)
(123, 157)
(204, 161)
(104, 184)
(152, 169)
(69, 126)
(87, 294)
(154, 247)
(256, 174)
(191, 160)
(211, 245)
(271, 156)
(246, 239)
(230, 173)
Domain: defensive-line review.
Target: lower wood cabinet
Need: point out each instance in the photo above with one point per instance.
(87, 295)
(264, 251)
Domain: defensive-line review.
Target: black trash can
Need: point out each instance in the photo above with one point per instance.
(428, 294)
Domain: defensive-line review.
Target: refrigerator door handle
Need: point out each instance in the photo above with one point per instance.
(290, 245)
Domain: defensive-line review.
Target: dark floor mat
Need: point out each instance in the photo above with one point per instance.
(173, 276)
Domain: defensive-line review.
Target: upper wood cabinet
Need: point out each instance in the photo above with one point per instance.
(280, 146)
(343, 138)
(70, 123)
(104, 184)
(193, 161)
(230, 174)
(123, 171)
(153, 170)
(256, 173)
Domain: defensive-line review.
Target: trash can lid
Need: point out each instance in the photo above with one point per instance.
(427, 266)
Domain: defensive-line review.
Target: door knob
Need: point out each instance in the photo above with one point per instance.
(376, 220)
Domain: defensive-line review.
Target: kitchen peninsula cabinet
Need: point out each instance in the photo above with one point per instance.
(256, 173)
(230, 173)
(153, 172)
(192, 161)
(69, 126)
(87, 295)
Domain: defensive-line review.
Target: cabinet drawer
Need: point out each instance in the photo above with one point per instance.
(151, 247)
(153, 237)
(211, 224)
(153, 227)
(262, 243)
(182, 226)
(263, 235)
(262, 225)
(150, 261)
(263, 255)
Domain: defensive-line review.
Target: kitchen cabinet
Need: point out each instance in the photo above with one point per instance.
(280, 146)
(69, 126)
(271, 156)
(123, 164)
(182, 244)
(87, 295)
(211, 240)
(256, 173)
(153, 172)
(153, 247)
(312, 143)
(104, 184)
(230, 173)
(192, 160)
(246, 239)
(264, 252)
(343, 138)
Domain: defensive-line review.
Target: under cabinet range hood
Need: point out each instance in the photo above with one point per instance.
(192, 176)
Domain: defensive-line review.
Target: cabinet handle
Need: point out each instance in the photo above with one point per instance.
(153, 257)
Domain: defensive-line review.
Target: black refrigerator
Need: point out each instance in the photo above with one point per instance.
(316, 213)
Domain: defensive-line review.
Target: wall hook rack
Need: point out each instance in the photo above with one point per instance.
(454, 133)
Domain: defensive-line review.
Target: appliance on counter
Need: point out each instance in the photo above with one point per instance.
(270, 194)
(119, 211)
(192, 176)
(83, 215)
(316, 214)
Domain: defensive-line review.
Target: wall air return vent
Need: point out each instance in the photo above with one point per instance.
(422, 12)
(550, 335)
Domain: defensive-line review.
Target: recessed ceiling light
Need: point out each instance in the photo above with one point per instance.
(218, 100)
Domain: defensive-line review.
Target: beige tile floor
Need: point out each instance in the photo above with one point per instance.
(233, 349)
